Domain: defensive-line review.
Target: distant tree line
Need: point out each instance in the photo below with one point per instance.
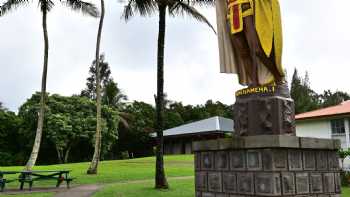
(70, 123)
(70, 126)
(306, 99)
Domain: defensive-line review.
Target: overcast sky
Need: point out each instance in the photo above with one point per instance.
(316, 39)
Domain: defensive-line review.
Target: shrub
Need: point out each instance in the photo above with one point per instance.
(5, 159)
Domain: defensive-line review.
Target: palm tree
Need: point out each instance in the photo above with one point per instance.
(98, 138)
(175, 8)
(114, 97)
(45, 7)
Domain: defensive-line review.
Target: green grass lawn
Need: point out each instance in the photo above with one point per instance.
(345, 192)
(183, 188)
(115, 173)
(178, 188)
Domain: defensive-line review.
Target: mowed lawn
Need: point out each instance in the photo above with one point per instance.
(129, 178)
(116, 171)
(178, 188)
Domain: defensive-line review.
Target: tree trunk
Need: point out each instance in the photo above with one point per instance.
(96, 158)
(161, 181)
(67, 154)
(38, 135)
(59, 155)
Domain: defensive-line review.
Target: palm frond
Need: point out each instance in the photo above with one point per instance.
(181, 7)
(10, 5)
(45, 5)
(124, 117)
(82, 6)
(124, 122)
(142, 7)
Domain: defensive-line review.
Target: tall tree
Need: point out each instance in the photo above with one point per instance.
(70, 120)
(2, 106)
(329, 98)
(305, 98)
(9, 127)
(136, 139)
(105, 77)
(111, 94)
(45, 7)
(98, 138)
(174, 8)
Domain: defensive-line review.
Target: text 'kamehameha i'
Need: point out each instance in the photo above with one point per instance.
(256, 90)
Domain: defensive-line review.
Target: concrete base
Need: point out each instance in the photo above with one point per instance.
(264, 110)
(267, 166)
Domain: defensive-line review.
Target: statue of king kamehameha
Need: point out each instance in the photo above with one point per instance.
(250, 40)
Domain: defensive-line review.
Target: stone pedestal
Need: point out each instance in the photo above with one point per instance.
(264, 110)
(267, 165)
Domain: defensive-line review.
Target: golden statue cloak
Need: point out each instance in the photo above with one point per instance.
(269, 30)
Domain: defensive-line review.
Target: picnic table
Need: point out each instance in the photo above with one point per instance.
(3, 181)
(36, 175)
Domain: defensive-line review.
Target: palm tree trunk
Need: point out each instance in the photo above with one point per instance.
(96, 158)
(161, 181)
(35, 151)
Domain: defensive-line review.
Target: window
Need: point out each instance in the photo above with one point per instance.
(338, 126)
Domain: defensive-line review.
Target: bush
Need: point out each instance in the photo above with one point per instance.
(343, 154)
(345, 175)
(5, 159)
(345, 178)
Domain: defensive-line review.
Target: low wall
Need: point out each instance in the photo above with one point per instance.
(267, 166)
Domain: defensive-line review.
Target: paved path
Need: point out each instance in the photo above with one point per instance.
(89, 190)
(80, 191)
(34, 190)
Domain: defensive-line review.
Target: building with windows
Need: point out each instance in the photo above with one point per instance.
(331, 122)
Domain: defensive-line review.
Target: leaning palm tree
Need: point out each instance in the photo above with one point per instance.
(161, 7)
(98, 138)
(45, 7)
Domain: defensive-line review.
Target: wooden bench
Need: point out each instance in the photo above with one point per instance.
(31, 176)
(2, 184)
(3, 181)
